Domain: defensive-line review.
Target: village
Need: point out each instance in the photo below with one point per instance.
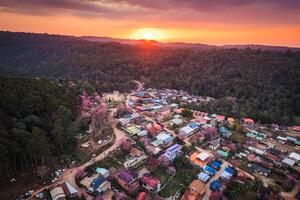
(163, 150)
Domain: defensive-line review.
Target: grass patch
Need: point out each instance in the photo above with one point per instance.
(247, 191)
(185, 174)
(237, 137)
(161, 174)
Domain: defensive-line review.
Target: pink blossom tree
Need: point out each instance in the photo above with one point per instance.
(125, 145)
(163, 161)
(171, 170)
(152, 162)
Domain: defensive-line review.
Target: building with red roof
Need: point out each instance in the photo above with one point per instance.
(248, 121)
(143, 196)
(220, 118)
(296, 128)
(150, 183)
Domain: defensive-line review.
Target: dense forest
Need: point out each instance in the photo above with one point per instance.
(36, 123)
(264, 84)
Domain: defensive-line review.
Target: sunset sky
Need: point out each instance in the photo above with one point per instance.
(271, 22)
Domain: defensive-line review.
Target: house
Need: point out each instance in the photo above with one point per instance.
(215, 185)
(203, 156)
(156, 143)
(295, 156)
(204, 177)
(291, 140)
(186, 131)
(143, 196)
(124, 121)
(57, 193)
(177, 116)
(296, 128)
(258, 169)
(132, 129)
(216, 164)
(136, 157)
(127, 181)
(142, 133)
(288, 161)
(195, 191)
(200, 159)
(214, 144)
(103, 172)
(154, 129)
(69, 189)
(172, 151)
(220, 118)
(150, 183)
(248, 121)
(225, 132)
(281, 139)
(176, 121)
(209, 170)
(173, 106)
(256, 150)
(165, 138)
(227, 173)
(99, 185)
(223, 153)
(134, 152)
(196, 161)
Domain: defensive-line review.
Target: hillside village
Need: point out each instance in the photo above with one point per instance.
(167, 151)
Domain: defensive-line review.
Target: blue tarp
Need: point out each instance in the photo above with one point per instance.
(216, 164)
(215, 185)
(208, 169)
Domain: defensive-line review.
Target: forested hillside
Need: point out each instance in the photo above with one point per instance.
(264, 83)
(36, 123)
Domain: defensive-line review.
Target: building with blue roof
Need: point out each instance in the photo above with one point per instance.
(229, 170)
(225, 132)
(165, 138)
(203, 177)
(97, 182)
(209, 170)
(216, 164)
(172, 151)
(193, 125)
(215, 185)
(227, 173)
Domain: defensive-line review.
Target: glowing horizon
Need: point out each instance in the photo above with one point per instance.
(194, 21)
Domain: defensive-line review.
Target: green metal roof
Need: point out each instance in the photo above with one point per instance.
(223, 153)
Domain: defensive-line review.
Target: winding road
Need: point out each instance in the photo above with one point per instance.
(69, 174)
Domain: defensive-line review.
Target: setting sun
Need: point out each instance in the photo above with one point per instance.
(149, 34)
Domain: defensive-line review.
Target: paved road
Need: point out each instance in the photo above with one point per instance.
(69, 174)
